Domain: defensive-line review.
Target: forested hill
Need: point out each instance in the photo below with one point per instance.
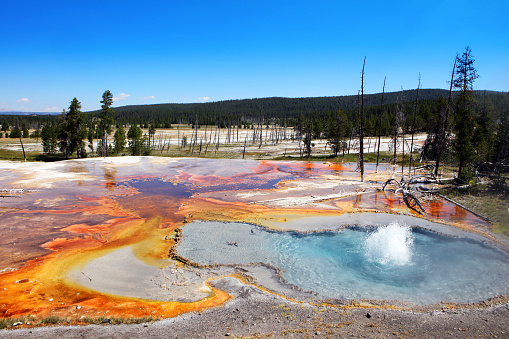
(277, 107)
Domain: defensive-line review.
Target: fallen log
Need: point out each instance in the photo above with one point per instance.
(468, 209)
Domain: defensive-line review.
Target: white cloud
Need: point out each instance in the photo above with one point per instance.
(51, 109)
(150, 97)
(121, 96)
(202, 99)
(24, 100)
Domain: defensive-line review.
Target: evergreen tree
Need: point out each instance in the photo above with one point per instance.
(16, 132)
(63, 134)
(72, 131)
(484, 131)
(5, 125)
(317, 129)
(435, 130)
(36, 134)
(91, 133)
(152, 132)
(106, 120)
(308, 136)
(337, 131)
(120, 140)
(300, 125)
(134, 134)
(501, 149)
(464, 122)
(26, 134)
(49, 138)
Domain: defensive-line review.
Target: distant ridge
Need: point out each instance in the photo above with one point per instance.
(278, 107)
(311, 104)
(27, 113)
(274, 106)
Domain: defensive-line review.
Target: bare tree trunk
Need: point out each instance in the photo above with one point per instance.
(395, 138)
(191, 142)
(196, 133)
(244, 150)
(218, 137)
(284, 135)
(403, 150)
(361, 123)
(228, 133)
(380, 126)
(444, 130)
(413, 126)
(349, 142)
(23, 148)
(261, 133)
(400, 123)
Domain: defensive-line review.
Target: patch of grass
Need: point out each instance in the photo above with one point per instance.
(53, 320)
(17, 155)
(487, 201)
(384, 157)
(9, 322)
(31, 156)
(142, 320)
(118, 321)
(88, 320)
(4, 323)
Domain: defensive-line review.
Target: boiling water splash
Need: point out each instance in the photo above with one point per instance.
(390, 245)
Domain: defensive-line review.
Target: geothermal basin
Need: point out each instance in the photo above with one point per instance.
(146, 236)
(380, 262)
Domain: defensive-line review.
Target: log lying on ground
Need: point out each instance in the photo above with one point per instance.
(466, 208)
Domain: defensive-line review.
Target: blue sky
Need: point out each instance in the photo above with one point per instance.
(148, 52)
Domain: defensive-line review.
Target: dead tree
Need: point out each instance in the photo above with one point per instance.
(23, 148)
(260, 125)
(361, 124)
(413, 126)
(178, 134)
(380, 126)
(244, 150)
(395, 136)
(444, 130)
(400, 123)
(196, 132)
(409, 198)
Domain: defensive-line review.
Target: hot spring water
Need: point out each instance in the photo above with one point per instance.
(392, 262)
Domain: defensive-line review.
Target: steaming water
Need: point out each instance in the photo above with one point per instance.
(392, 262)
(390, 245)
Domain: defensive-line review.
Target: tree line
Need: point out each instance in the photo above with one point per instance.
(463, 125)
(68, 133)
(467, 130)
